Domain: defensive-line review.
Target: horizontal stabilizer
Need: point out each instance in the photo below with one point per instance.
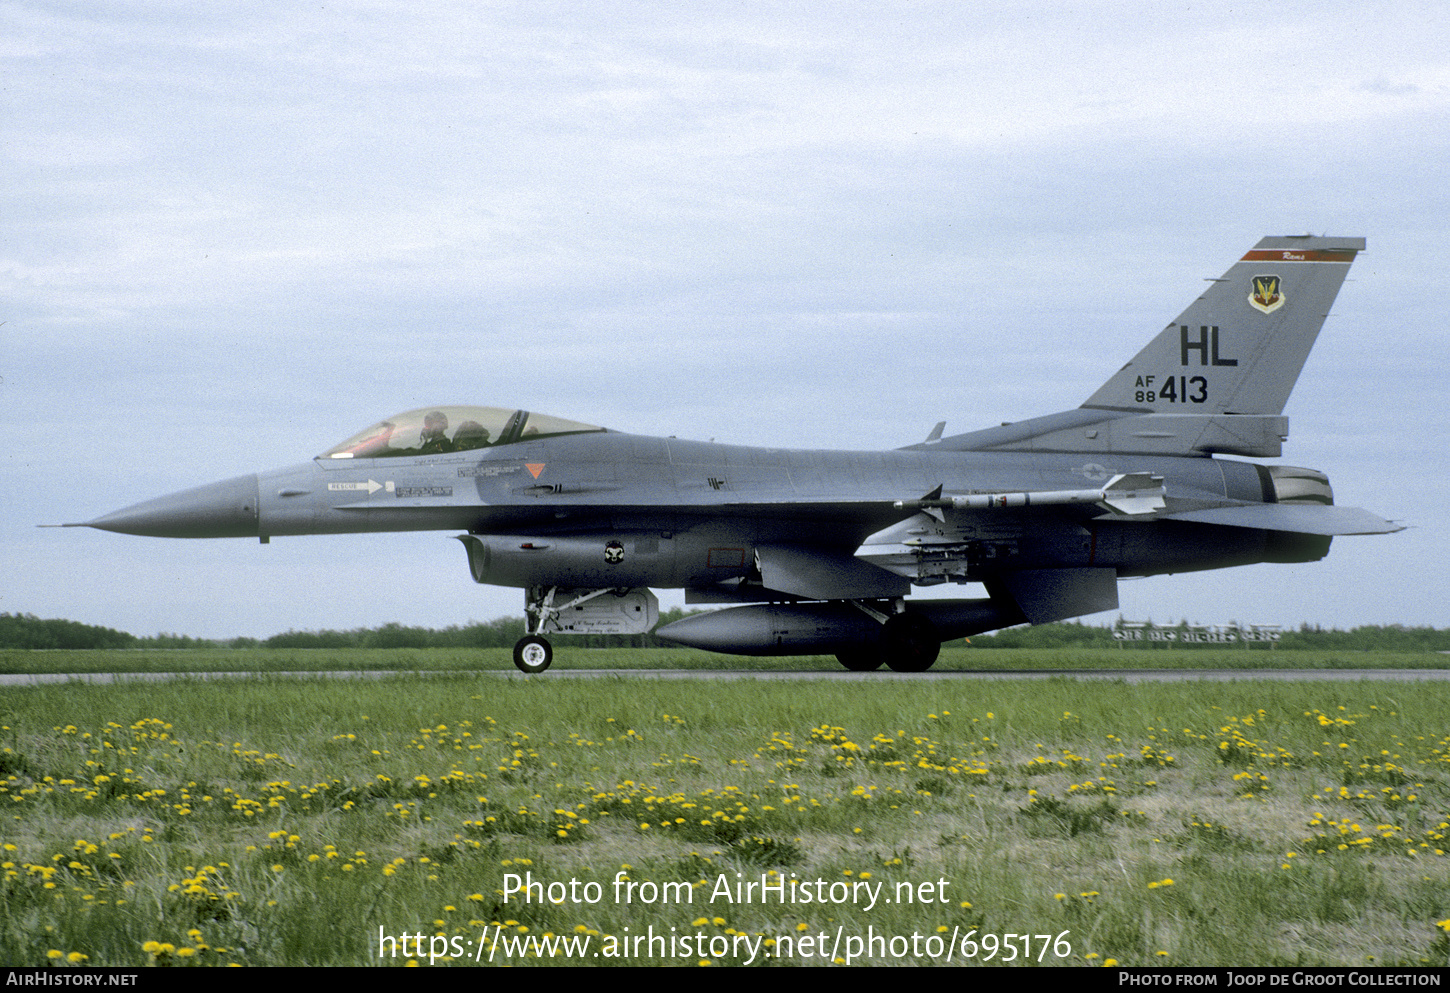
(1294, 518)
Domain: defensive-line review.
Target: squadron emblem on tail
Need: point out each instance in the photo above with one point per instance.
(1267, 297)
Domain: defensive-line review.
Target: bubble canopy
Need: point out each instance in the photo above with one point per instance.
(438, 430)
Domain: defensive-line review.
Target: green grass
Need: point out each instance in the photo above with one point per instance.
(953, 658)
(283, 821)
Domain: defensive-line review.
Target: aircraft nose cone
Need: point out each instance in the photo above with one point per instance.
(218, 510)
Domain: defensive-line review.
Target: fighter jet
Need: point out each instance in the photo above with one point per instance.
(815, 552)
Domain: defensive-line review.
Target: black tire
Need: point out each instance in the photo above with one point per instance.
(533, 654)
(861, 659)
(910, 643)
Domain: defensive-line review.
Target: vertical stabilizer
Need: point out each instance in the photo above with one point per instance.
(1238, 348)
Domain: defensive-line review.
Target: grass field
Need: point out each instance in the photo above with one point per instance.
(282, 821)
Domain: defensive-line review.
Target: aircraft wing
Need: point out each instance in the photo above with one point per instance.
(1141, 503)
(1296, 518)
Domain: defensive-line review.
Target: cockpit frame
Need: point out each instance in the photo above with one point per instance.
(454, 428)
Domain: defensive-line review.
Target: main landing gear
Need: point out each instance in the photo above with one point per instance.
(861, 659)
(909, 643)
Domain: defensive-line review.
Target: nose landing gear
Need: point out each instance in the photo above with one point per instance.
(566, 610)
(533, 654)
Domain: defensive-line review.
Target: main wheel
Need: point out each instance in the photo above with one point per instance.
(861, 659)
(910, 643)
(533, 654)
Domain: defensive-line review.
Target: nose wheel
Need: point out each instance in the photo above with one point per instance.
(533, 654)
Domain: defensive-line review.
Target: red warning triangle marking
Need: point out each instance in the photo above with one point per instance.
(535, 468)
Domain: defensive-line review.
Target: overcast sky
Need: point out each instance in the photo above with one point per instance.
(234, 235)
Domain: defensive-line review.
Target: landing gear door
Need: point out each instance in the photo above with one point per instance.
(627, 611)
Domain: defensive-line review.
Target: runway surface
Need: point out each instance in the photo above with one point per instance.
(1125, 675)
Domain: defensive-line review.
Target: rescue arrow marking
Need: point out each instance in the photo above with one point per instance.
(370, 486)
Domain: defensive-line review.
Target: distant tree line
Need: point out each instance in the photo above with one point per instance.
(499, 633)
(29, 631)
(1391, 638)
(1074, 634)
(1366, 638)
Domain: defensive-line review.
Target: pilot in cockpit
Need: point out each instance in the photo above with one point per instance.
(470, 435)
(434, 436)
